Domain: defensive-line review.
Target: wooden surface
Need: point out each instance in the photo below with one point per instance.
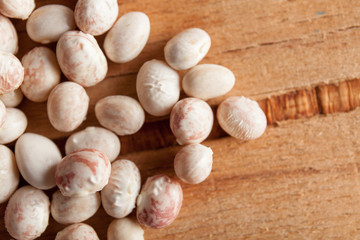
(300, 59)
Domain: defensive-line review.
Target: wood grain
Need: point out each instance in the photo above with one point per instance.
(299, 59)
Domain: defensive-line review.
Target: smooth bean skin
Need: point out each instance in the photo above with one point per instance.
(9, 173)
(8, 36)
(187, 48)
(47, 23)
(127, 38)
(67, 106)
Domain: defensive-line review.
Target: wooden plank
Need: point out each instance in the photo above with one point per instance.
(299, 181)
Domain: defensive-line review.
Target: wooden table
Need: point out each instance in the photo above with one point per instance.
(300, 59)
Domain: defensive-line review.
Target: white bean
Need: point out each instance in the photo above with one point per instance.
(158, 87)
(8, 36)
(159, 201)
(14, 126)
(37, 157)
(47, 23)
(96, 16)
(193, 163)
(13, 98)
(94, 137)
(17, 8)
(67, 106)
(127, 38)
(9, 173)
(191, 121)
(11, 72)
(81, 59)
(187, 48)
(42, 74)
(121, 114)
(2, 113)
(77, 231)
(82, 173)
(27, 213)
(119, 195)
(125, 229)
(241, 118)
(68, 210)
(208, 81)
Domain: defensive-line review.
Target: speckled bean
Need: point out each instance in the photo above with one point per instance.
(119, 195)
(158, 87)
(121, 114)
(77, 231)
(13, 98)
(17, 8)
(187, 48)
(97, 138)
(159, 201)
(127, 37)
(37, 157)
(241, 118)
(47, 23)
(2, 113)
(27, 213)
(8, 36)
(42, 74)
(125, 229)
(82, 173)
(67, 106)
(9, 173)
(96, 16)
(208, 81)
(11, 72)
(14, 126)
(191, 121)
(193, 163)
(68, 210)
(81, 59)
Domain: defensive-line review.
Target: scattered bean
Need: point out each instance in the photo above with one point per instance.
(37, 157)
(191, 121)
(125, 229)
(158, 87)
(77, 231)
(187, 48)
(159, 201)
(11, 72)
(42, 74)
(193, 163)
(241, 118)
(208, 81)
(47, 23)
(127, 37)
(82, 173)
(14, 126)
(17, 8)
(121, 114)
(81, 59)
(2, 113)
(13, 98)
(119, 195)
(96, 16)
(9, 174)
(68, 210)
(97, 138)
(27, 213)
(67, 106)
(8, 36)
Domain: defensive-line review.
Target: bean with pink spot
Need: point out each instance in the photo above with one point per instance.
(82, 172)
(11, 72)
(191, 121)
(159, 201)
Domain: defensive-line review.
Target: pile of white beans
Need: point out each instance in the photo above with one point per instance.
(91, 173)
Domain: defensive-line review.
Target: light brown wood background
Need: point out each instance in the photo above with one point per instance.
(300, 180)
